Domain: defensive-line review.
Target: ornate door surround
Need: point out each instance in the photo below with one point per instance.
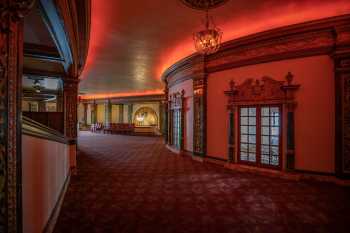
(266, 91)
(176, 111)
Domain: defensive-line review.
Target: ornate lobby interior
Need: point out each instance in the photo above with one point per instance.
(177, 116)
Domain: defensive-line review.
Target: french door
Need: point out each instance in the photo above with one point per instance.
(260, 135)
(176, 130)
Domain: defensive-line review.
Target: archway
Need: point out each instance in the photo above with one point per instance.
(145, 117)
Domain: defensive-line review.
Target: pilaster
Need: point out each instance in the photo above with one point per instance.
(130, 111)
(108, 112)
(70, 94)
(342, 84)
(121, 113)
(166, 114)
(200, 114)
(11, 66)
(94, 112)
(85, 105)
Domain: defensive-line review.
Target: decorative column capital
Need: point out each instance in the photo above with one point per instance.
(13, 10)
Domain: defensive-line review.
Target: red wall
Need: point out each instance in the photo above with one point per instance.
(314, 120)
(187, 86)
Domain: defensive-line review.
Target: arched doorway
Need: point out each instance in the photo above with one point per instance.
(145, 117)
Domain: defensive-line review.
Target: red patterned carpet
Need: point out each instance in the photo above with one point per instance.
(133, 184)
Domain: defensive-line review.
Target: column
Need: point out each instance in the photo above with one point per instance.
(130, 110)
(85, 105)
(93, 112)
(342, 115)
(108, 112)
(59, 102)
(121, 113)
(166, 114)
(199, 119)
(11, 66)
(70, 95)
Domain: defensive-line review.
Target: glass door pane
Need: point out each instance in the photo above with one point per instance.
(270, 135)
(248, 134)
(176, 127)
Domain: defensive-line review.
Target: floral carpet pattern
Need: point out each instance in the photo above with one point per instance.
(129, 184)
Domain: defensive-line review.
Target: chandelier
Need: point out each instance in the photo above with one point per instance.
(37, 86)
(206, 41)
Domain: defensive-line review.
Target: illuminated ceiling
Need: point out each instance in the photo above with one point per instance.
(133, 42)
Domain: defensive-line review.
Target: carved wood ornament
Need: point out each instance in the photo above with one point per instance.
(264, 91)
(11, 55)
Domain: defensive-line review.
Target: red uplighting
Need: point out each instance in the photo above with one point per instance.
(270, 18)
(160, 51)
(121, 94)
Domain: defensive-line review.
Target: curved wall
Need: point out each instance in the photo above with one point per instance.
(314, 115)
(316, 53)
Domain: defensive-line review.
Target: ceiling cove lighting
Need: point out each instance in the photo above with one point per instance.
(206, 41)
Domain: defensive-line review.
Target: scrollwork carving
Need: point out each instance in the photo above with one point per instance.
(13, 10)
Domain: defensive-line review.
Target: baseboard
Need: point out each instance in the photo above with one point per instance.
(296, 175)
(172, 149)
(215, 160)
(51, 223)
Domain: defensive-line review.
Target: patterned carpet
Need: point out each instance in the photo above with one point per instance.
(131, 184)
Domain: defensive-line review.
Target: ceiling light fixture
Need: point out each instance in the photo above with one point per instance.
(37, 86)
(207, 41)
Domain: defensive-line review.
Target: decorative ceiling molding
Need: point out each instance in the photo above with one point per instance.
(300, 40)
(203, 4)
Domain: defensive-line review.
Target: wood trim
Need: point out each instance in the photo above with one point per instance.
(306, 39)
(11, 66)
(216, 158)
(35, 129)
(314, 172)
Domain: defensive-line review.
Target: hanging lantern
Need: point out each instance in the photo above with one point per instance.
(203, 4)
(208, 41)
